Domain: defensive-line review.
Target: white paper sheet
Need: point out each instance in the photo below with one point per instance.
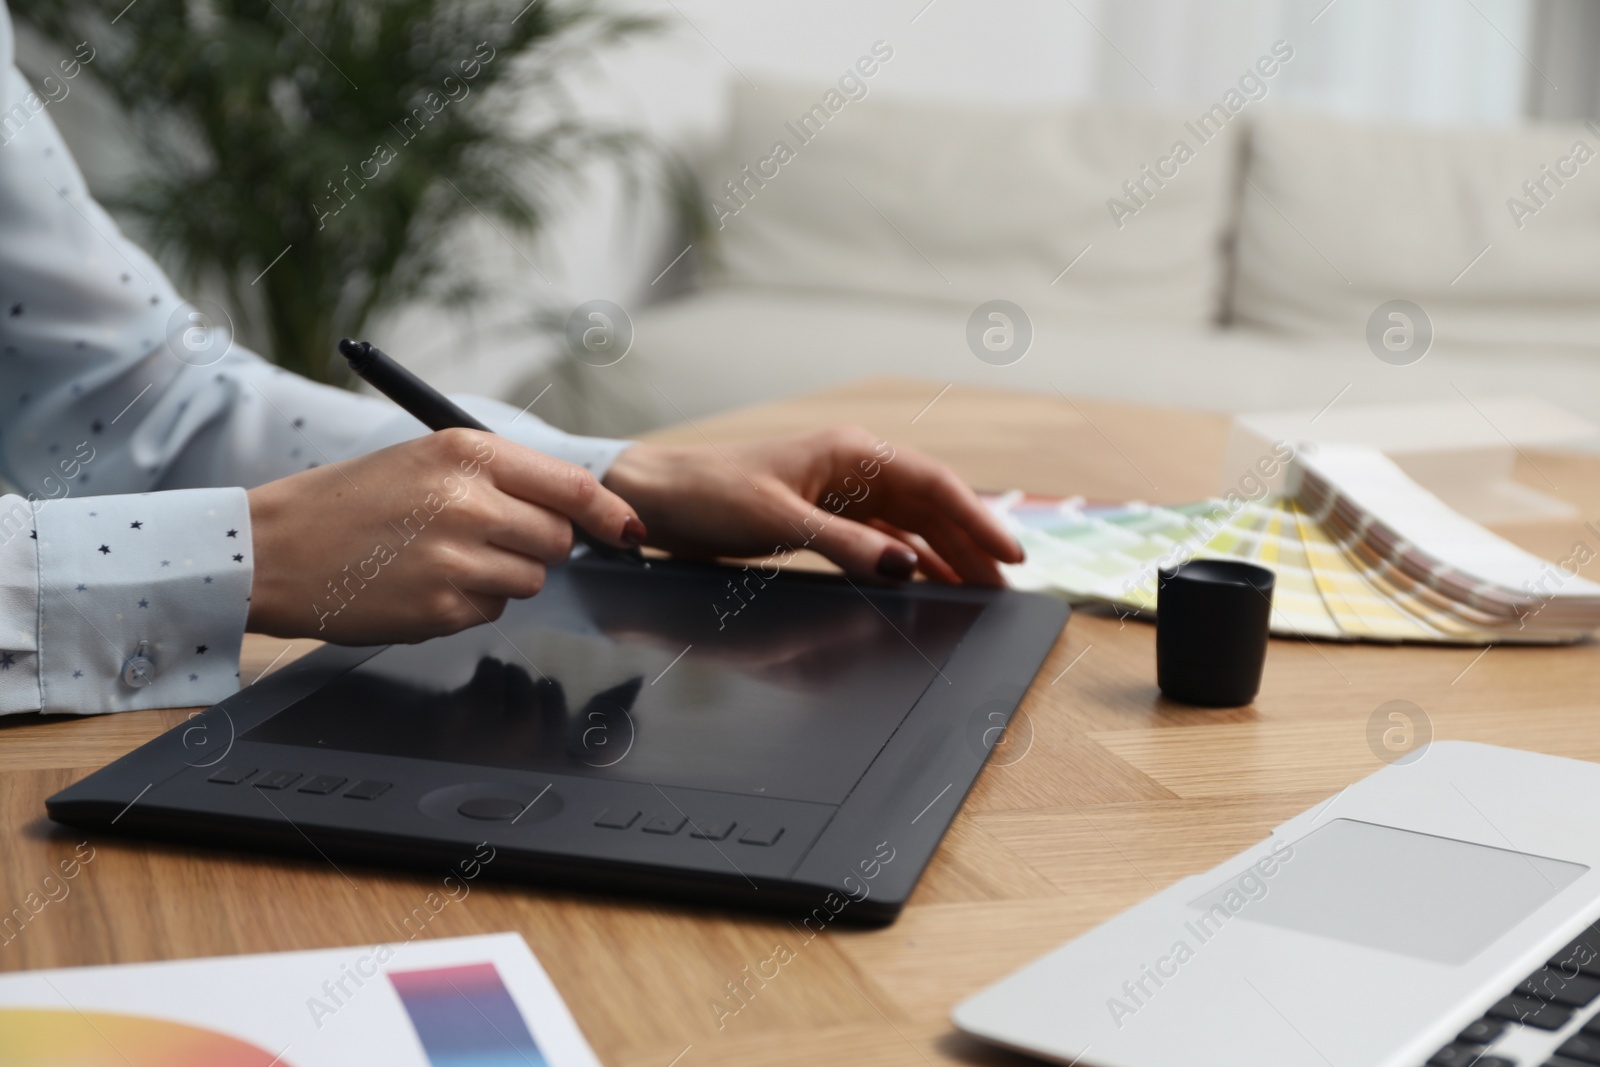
(452, 1002)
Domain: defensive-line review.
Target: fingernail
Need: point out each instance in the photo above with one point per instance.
(633, 531)
(897, 562)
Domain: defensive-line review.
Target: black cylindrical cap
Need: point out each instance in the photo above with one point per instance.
(1212, 620)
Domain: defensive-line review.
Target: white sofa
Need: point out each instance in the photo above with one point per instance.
(1244, 281)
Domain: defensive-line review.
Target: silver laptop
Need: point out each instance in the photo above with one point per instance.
(1438, 912)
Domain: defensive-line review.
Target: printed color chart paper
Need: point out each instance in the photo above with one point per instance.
(465, 1017)
(452, 1002)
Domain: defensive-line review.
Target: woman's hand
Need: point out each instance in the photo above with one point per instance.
(425, 538)
(873, 509)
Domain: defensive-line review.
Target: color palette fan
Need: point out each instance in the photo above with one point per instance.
(1361, 552)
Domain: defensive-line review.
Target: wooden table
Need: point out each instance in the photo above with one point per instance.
(1102, 793)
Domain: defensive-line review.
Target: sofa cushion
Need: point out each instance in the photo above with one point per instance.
(966, 204)
(1337, 219)
(735, 346)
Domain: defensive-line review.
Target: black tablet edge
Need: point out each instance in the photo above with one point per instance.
(922, 776)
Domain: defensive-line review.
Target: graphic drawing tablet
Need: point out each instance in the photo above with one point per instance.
(687, 731)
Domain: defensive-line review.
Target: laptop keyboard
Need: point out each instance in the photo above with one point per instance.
(1551, 1019)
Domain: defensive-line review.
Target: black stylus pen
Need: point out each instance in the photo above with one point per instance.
(438, 412)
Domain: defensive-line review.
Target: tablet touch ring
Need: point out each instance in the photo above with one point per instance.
(492, 802)
(491, 809)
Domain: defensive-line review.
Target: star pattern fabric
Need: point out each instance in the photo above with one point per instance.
(108, 387)
(96, 608)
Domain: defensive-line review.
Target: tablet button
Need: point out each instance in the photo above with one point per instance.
(763, 835)
(277, 779)
(231, 775)
(491, 809)
(323, 784)
(616, 818)
(367, 790)
(665, 824)
(713, 831)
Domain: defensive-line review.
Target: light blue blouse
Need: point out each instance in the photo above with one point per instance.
(138, 599)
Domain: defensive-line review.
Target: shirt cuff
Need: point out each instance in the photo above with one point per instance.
(141, 601)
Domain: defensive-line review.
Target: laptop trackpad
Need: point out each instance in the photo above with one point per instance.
(1432, 897)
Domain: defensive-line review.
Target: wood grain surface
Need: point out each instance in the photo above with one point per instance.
(1101, 793)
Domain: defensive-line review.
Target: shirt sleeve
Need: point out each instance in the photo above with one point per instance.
(106, 372)
(97, 346)
(119, 602)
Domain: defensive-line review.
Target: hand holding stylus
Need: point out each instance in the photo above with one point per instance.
(438, 412)
(420, 539)
(434, 535)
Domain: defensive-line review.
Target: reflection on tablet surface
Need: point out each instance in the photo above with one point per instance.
(792, 697)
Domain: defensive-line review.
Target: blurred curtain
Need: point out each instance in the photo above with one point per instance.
(1564, 81)
(1445, 61)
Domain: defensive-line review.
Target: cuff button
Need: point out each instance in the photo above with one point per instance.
(139, 670)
